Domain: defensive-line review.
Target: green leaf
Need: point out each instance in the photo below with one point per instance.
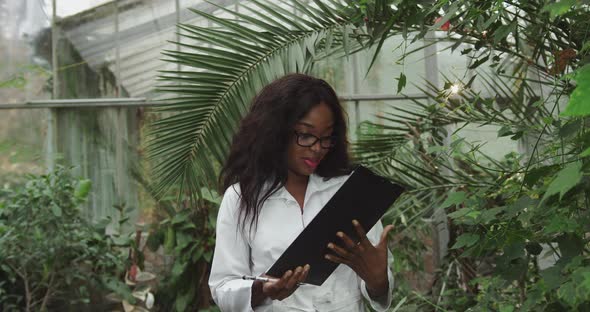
(489, 215)
(579, 102)
(570, 245)
(459, 213)
(466, 240)
(208, 255)
(169, 239)
(183, 300)
(570, 129)
(505, 131)
(548, 120)
(211, 196)
(585, 281)
(567, 293)
(180, 218)
(454, 198)
(384, 35)
(198, 253)
(514, 250)
(560, 224)
(585, 153)
(503, 31)
(120, 289)
(401, 82)
(18, 82)
(155, 240)
(566, 179)
(558, 8)
(121, 240)
(479, 62)
(178, 268)
(552, 277)
(506, 308)
(83, 189)
(183, 240)
(535, 174)
(56, 210)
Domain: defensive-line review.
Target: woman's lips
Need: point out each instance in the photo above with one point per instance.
(311, 163)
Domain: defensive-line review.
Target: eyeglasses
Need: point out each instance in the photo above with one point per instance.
(309, 140)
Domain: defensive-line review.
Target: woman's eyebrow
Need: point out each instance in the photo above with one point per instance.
(305, 124)
(312, 126)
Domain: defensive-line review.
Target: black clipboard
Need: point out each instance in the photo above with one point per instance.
(365, 197)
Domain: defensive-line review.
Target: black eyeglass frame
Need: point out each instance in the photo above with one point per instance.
(331, 139)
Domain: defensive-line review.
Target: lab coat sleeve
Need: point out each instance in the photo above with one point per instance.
(383, 303)
(231, 259)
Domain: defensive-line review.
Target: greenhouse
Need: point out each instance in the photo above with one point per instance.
(122, 124)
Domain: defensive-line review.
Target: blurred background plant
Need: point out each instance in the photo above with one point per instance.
(52, 258)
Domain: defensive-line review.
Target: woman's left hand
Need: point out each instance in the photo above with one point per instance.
(368, 261)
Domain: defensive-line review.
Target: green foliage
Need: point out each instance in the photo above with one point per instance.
(51, 257)
(559, 8)
(579, 103)
(187, 233)
(518, 225)
(19, 80)
(565, 179)
(401, 82)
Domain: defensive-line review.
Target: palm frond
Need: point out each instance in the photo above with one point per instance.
(224, 66)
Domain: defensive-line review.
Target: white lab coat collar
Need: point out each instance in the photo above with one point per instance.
(315, 184)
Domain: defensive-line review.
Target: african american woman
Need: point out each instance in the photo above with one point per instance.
(288, 158)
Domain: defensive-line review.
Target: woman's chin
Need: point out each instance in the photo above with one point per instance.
(307, 170)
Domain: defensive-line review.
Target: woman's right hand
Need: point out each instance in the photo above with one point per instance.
(286, 285)
(279, 289)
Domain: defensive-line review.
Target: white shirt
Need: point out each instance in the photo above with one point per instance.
(280, 222)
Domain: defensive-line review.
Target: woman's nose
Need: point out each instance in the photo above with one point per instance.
(316, 147)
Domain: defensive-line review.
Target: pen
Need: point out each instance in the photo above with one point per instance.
(265, 279)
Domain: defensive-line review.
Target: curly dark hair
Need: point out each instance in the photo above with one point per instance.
(258, 156)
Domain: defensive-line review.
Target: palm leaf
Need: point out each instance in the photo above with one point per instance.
(224, 66)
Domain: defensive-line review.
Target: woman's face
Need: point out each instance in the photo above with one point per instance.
(319, 121)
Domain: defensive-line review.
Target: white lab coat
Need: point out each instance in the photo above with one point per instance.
(280, 222)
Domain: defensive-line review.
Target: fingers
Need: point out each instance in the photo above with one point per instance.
(361, 233)
(341, 252)
(346, 240)
(384, 235)
(294, 279)
(306, 269)
(338, 259)
(282, 288)
(278, 285)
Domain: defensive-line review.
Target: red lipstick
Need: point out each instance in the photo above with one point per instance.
(311, 163)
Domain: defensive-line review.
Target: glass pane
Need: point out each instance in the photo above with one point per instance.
(68, 7)
(487, 137)
(100, 143)
(384, 74)
(24, 56)
(25, 75)
(87, 53)
(22, 137)
(145, 32)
